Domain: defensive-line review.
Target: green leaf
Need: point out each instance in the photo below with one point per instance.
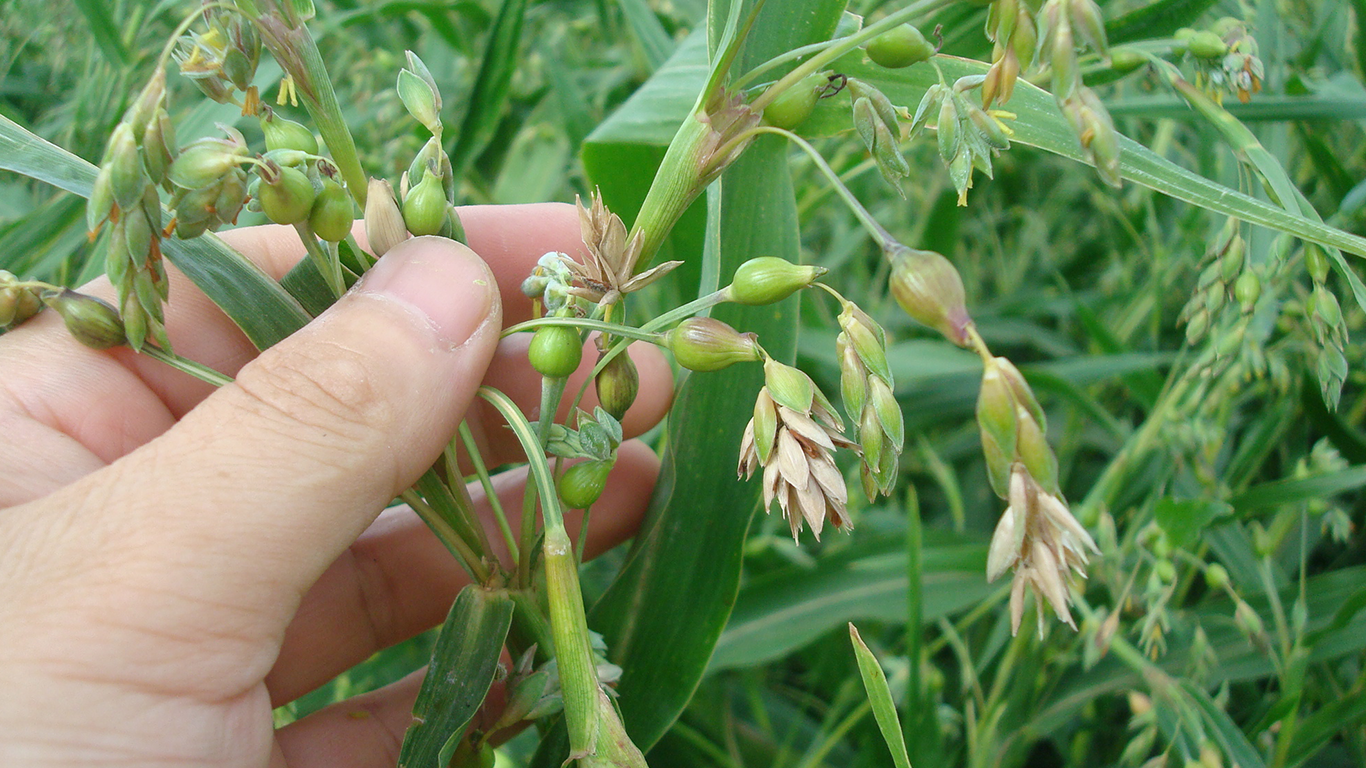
(245, 293)
(37, 158)
(654, 41)
(458, 679)
(1155, 19)
(1040, 124)
(1184, 519)
(491, 86)
(789, 608)
(105, 31)
(1279, 492)
(880, 698)
(1226, 733)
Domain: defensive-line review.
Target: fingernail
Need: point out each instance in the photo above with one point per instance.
(438, 278)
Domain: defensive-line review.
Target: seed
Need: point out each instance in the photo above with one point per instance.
(555, 351)
(899, 47)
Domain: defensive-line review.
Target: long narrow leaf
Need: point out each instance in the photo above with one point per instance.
(462, 669)
(880, 698)
(491, 89)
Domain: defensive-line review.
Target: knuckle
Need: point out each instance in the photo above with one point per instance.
(324, 385)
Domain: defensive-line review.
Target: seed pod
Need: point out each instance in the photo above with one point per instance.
(1231, 262)
(424, 207)
(1087, 20)
(420, 98)
(331, 217)
(1325, 307)
(791, 108)
(1126, 60)
(91, 321)
(899, 47)
(882, 108)
(707, 344)
(789, 386)
(1165, 570)
(1315, 260)
(555, 351)
(866, 338)
(996, 413)
(865, 120)
(1063, 59)
(121, 157)
(853, 377)
(617, 384)
(988, 128)
(582, 484)
(1196, 326)
(1206, 45)
(1247, 290)
(928, 288)
(383, 220)
(947, 128)
(1216, 576)
(285, 193)
(283, 133)
(888, 411)
(769, 279)
(204, 163)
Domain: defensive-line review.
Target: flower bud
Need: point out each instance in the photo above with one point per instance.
(1087, 20)
(582, 484)
(865, 118)
(769, 279)
(283, 133)
(158, 146)
(947, 128)
(1325, 306)
(789, 386)
(888, 411)
(988, 127)
(421, 99)
(996, 413)
(555, 351)
(882, 108)
(707, 344)
(870, 435)
(101, 202)
(1247, 290)
(424, 207)
(204, 162)
(1063, 59)
(899, 47)
(853, 376)
(1032, 448)
(928, 288)
(617, 384)
(331, 217)
(1216, 577)
(1315, 260)
(126, 178)
(765, 424)
(1231, 260)
(90, 321)
(383, 220)
(17, 303)
(286, 194)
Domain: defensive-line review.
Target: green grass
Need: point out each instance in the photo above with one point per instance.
(1174, 456)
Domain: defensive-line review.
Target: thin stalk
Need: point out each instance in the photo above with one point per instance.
(328, 267)
(198, 370)
(842, 46)
(915, 608)
(551, 392)
(583, 323)
(877, 231)
(293, 47)
(459, 514)
(444, 532)
(481, 471)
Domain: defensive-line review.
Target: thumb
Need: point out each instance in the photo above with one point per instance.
(248, 498)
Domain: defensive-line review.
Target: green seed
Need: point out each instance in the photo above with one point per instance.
(791, 108)
(555, 351)
(288, 197)
(899, 47)
(424, 207)
(582, 484)
(331, 216)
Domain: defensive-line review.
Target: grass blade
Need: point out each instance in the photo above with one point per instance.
(491, 89)
(105, 31)
(880, 697)
(458, 679)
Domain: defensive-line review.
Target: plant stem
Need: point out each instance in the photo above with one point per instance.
(445, 533)
(198, 370)
(584, 323)
(293, 47)
(496, 504)
(328, 267)
(838, 48)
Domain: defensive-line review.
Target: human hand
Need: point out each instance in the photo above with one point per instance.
(175, 561)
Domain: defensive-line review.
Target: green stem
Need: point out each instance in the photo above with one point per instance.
(445, 533)
(879, 233)
(584, 323)
(838, 48)
(198, 370)
(294, 48)
(328, 267)
(485, 480)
